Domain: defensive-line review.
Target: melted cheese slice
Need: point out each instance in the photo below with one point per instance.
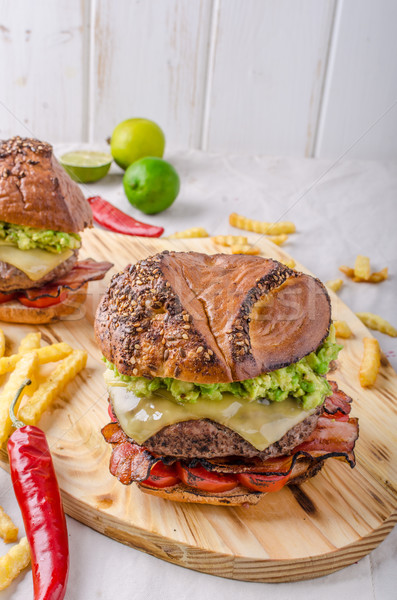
(259, 423)
(34, 263)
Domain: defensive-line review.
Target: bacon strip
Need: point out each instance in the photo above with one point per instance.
(339, 402)
(332, 436)
(82, 272)
(129, 462)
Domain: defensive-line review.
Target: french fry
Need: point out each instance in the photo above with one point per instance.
(2, 343)
(31, 411)
(241, 222)
(193, 232)
(230, 240)
(347, 271)
(45, 355)
(31, 341)
(291, 264)
(374, 277)
(334, 284)
(25, 369)
(370, 362)
(362, 267)
(8, 531)
(279, 240)
(12, 563)
(377, 323)
(342, 329)
(245, 249)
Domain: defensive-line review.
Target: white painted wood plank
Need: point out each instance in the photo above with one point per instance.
(268, 70)
(362, 83)
(41, 69)
(150, 61)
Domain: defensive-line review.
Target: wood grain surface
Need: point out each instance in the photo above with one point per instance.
(298, 533)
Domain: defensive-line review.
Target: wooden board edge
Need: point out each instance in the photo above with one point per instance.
(223, 565)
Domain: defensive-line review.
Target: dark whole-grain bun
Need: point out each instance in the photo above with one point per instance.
(15, 312)
(210, 318)
(13, 279)
(36, 191)
(237, 497)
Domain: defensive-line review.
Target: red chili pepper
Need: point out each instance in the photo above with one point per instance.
(112, 218)
(36, 489)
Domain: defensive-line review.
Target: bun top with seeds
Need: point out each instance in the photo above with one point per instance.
(210, 319)
(35, 191)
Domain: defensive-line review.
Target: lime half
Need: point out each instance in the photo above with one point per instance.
(86, 167)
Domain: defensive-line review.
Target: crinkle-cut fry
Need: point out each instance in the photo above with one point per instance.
(31, 341)
(377, 323)
(342, 329)
(31, 411)
(374, 277)
(279, 240)
(362, 267)
(26, 368)
(348, 271)
(230, 240)
(193, 232)
(15, 561)
(370, 362)
(245, 249)
(8, 531)
(290, 263)
(241, 222)
(45, 355)
(2, 343)
(334, 284)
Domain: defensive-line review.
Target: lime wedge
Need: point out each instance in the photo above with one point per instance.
(86, 167)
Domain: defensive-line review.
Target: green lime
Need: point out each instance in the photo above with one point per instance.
(135, 138)
(151, 184)
(86, 167)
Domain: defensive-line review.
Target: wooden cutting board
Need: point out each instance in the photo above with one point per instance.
(298, 533)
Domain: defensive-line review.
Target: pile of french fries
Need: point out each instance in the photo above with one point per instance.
(238, 244)
(25, 364)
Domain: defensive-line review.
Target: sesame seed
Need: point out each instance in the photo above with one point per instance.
(166, 354)
(135, 371)
(137, 346)
(185, 336)
(199, 349)
(210, 352)
(186, 327)
(239, 327)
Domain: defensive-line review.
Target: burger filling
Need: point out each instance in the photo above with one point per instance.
(29, 238)
(304, 381)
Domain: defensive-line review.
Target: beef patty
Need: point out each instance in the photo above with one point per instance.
(13, 279)
(207, 439)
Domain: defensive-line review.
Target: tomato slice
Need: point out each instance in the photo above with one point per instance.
(201, 479)
(337, 416)
(6, 297)
(162, 475)
(263, 483)
(44, 301)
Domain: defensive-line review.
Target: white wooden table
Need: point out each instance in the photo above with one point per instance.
(340, 210)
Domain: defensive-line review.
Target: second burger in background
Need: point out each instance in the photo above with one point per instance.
(42, 212)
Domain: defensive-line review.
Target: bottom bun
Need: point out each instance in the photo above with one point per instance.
(183, 493)
(237, 497)
(15, 312)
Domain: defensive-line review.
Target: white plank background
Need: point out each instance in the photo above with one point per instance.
(280, 77)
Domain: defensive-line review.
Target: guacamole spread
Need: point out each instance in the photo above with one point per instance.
(28, 238)
(303, 381)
